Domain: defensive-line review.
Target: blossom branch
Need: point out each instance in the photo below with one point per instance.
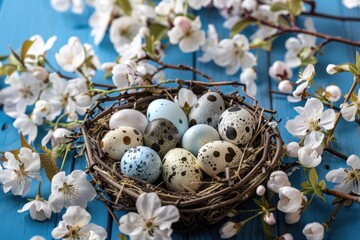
(335, 212)
(341, 195)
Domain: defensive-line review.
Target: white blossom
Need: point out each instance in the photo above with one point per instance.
(346, 179)
(233, 54)
(260, 190)
(152, 221)
(187, 34)
(293, 217)
(308, 157)
(27, 125)
(311, 122)
(280, 71)
(124, 74)
(75, 224)
(185, 98)
(58, 136)
(331, 69)
(286, 236)
(100, 19)
(306, 77)
(229, 229)
(37, 237)
(210, 45)
(285, 86)
(290, 199)
(248, 77)
(269, 218)
(39, 209)
(123, 30)
(18, 172)
(198, 4)
(77, 6)
(351, 3)
(314, 231)
(71, 56)
(349, 111)
(70, 190)
(292, 149)
(277, 180)
(333, 93)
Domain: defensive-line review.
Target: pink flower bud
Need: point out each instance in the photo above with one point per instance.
(183, 23)
(292, 149)
(286, 236)
(40, 73)
(280, 71)
(269, 218)
(260, 190)
(83, 100)
(331, 69)
(333, 93)
(285, 86)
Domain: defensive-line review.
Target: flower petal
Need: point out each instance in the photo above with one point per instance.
(76, 215)
(353, 161)
(314, 139)
(147, 203)
(327, 119)
(165, 216)
(131, 224)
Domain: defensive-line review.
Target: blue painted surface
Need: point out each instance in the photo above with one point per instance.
(21, 19)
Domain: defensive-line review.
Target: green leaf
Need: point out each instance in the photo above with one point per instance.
(3, 57)
(357, 60)
(305, 186)
(24, 143)
(313, 177)
(260, 43)
(348, 203)
(149, 45)
(25, 48)
(353, 69)
(239, 26)
(15, 152)
(308, 60)
(48, 162)
(125, 6)
(322, 184)
(279, 6)
(158, 31)
(295, 7)
(16, 56)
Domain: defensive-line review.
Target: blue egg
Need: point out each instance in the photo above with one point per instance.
(142, 163)
(197, 136)
(162, 108)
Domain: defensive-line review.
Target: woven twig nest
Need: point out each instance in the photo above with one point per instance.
(217, 196)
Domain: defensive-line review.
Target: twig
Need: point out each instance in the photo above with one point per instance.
(341, 195)
(335, 212)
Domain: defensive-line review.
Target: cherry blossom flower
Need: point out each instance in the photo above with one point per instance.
(186, 99)
(124, 74)
(269, 218)
(286, 236)
(223, 3)
(292, 218)
(280, 71)
(71, 56)
(314, 231)
(56, 137)
(123, 30)
(292, 149)
(198, 4)
(23, 91)
(331, 69)
(70, 190)
(77, 6)
(309, 157)
(306, 77)
(27, 125)
(233, 54)
(290, 199)
(75, 224)
(277, 180)
(260, 190)
(100, 19)
(187, 34)
(37, 237)
(210, 44)
(349, 111)
(351, 3)
(248, 77)
(39, 209)
(346, 179)
(38, 49)
(311, 122)
(285, 86)
(229, 229)
(333, 93)
(18, 172)
(152, 221)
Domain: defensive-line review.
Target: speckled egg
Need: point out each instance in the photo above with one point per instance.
(180, 171)
(215, 156)
(162, 108)
(117, 141)
(237, 125)
(142, 163)
(161, 135)
(128, 118)
(197, 136)
(207, 110)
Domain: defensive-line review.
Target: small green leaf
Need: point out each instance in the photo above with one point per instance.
(322, 184)
(353, 69)
(260, 43)
(239, 26)
(295, 7)
(279, 6)
(16, 56)
(348, 203)
(257, 202)
(158, 31)
(48, 162)
(313, 177)
(357, 60)
(308, 60)
(125, 6)
(24, 143)
(149, 45)
(15, 152)
(305, 186)
(3, 57)
(25, 48)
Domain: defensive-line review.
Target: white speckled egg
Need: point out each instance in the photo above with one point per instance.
(162, 108)
(207, 110)
(215, 156)
(128, 118)
(161, 135)
(117, 141)
(180, 171)
(237, 125)
(142, 163)
(198, 135)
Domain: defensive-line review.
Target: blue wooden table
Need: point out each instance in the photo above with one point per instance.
(20, 19)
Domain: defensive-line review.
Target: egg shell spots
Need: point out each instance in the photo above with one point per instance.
(207, 110)
(197, 136)
(215, 156)
(128, 118)
(117, 141)
(237, 125)
(161, 135)
(142, 163)
(163, 108)
(180, 171)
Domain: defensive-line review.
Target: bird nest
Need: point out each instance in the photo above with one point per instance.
(218, 195)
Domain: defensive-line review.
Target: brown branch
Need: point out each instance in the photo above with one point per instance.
(335, 212)
(341, 195)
